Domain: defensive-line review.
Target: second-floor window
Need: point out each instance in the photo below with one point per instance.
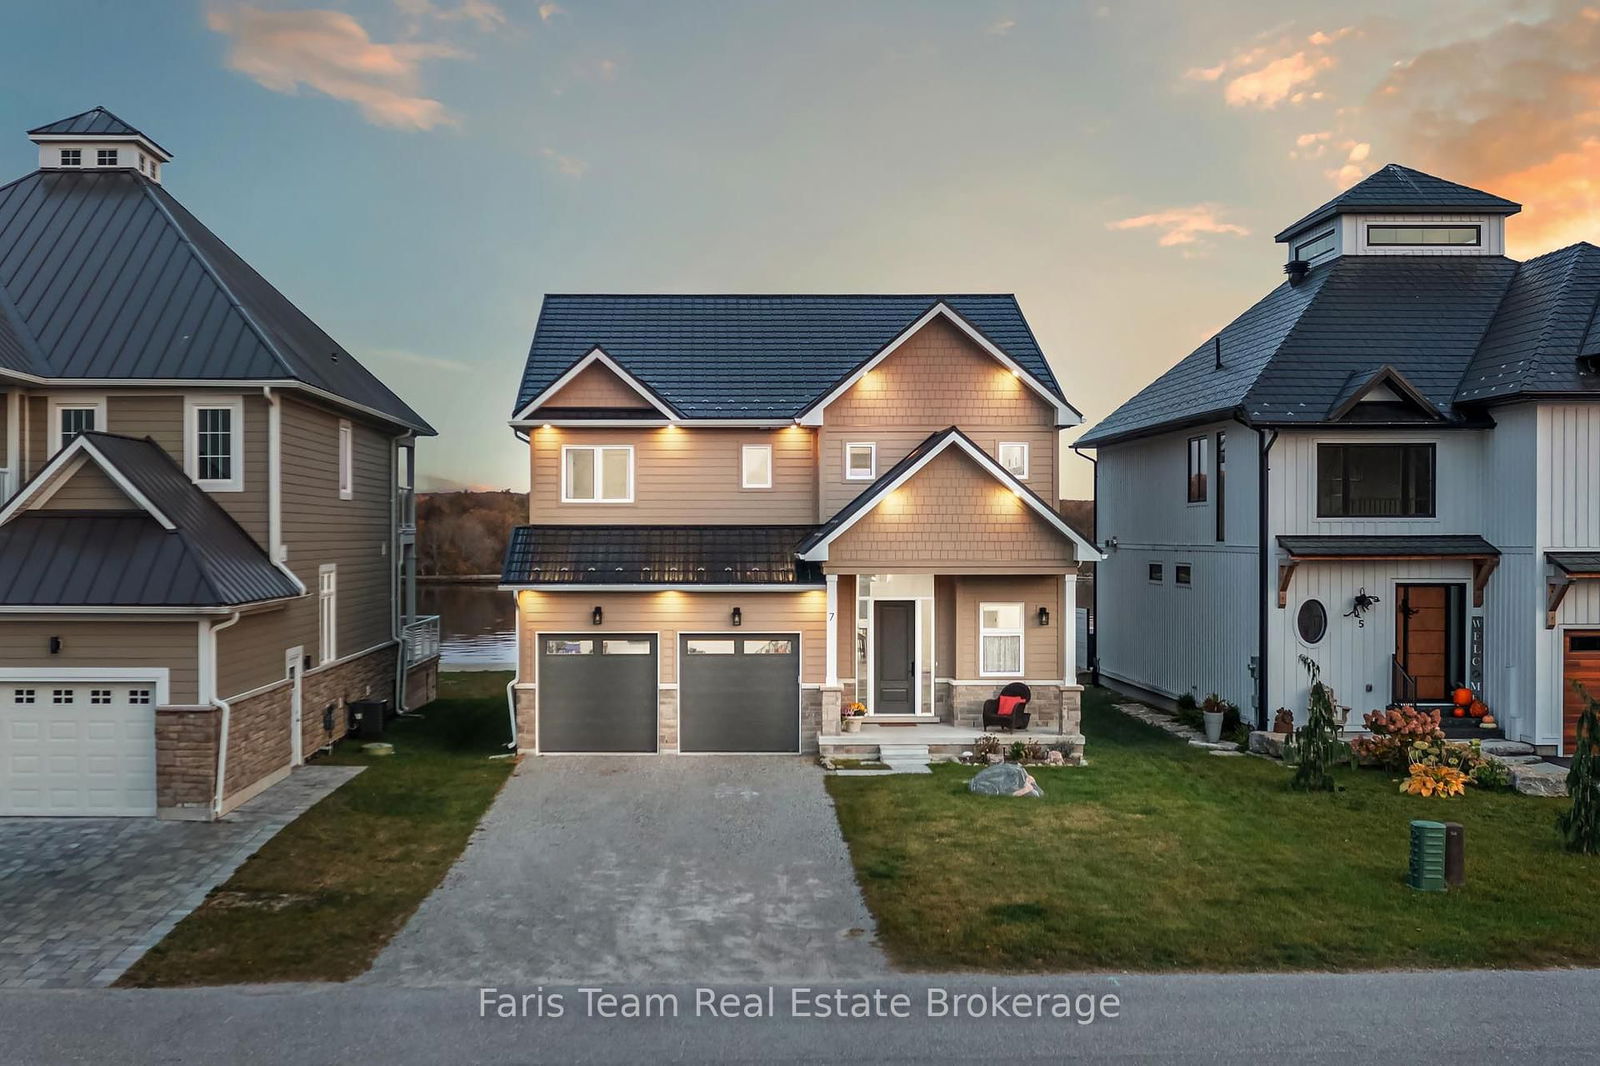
(1198, 468)
(347, 461)
(597, 473)
(860, 461)
(1014, 457)
(1375, 480)
(73, 420)
(214, 445)
(755, 466)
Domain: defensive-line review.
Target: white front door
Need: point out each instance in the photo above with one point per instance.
(291, 668)
(77, 748)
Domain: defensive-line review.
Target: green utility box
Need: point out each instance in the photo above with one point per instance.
(1427, 856)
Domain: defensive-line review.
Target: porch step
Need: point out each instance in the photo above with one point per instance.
(1506, 747)
(905, 758)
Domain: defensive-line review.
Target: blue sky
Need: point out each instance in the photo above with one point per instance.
(415, 174)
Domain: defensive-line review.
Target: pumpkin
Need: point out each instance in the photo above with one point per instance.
(1478, 709)
(1460, 711)
(1463, 697)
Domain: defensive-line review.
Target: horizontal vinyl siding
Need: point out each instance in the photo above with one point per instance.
(1041, 645)
(109, 645)
(89, 490)
(250, 653)
(671, 613)
(683, 475)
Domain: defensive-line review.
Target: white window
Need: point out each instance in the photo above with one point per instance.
(597, 473)
(213, 449)
(1014, 457)
(755, 463)
(860, 461)
(106, 157)
(138, 695)
(61, 695)
(328, 612)
(69, 418)
(24, 695)
(72, 157)
(1000, 639)
(154, 167)
(99, 696)
(346, 461)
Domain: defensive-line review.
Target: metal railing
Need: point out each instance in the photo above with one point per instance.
(1401, 683)
(420, 638)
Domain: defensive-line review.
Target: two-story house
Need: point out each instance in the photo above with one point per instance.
(206, 543)
(1388, 465)
(749, 510)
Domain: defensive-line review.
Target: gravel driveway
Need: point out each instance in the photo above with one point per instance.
(649, 868)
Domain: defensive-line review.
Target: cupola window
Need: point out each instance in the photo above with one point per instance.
(106, 157)
(72, 157)
(1459, 236)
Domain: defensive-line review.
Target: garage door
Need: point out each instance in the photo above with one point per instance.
(77, 749)
(739, 692)
(597, 693)
(1581, 666)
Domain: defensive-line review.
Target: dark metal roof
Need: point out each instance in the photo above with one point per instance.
(1358, 546)
(95, 122)
(751, 356)
(1550, 317)
(104, 275)
(657, 555)
(127, 559)
(1395, 189)
(1575, 562)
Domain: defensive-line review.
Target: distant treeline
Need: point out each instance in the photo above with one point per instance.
(460, 533)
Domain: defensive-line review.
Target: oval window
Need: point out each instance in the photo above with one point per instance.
(1312, 621)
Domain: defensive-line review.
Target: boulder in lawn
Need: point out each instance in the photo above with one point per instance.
(1004, 779)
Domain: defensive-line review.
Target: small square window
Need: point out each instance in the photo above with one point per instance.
(756, 466)
(72, 157)
(138, 695)
(1155, 572)
(860, 461)
(76, 421)
(1014, 457)
(106, 157)
(1182, 574)
(61, 695)
(99, 696)
(23, 695)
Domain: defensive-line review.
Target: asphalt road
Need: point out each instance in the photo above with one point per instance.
(1479, 1017)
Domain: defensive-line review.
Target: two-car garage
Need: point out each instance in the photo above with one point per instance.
(601, 692)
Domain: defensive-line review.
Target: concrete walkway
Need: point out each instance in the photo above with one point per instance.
(650, 868)
(81, 899)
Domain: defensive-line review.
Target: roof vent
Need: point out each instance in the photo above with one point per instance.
(1589, 364)
(1297, 269)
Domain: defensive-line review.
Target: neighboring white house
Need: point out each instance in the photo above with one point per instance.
(1390, 465)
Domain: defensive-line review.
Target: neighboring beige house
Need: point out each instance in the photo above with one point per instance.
(748, 511)
(206, 538)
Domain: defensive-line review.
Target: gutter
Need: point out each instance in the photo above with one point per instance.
(396, 608)
(1094, 596)
(1266, 438)
(226, 711)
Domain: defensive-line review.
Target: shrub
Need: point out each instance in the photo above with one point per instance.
(1035, 752)
(987, 745)
(1394, 733)
(1580, 824)
(1441, 781)
(1316, 745)
(1492, 774)
(1016, 752)
(1186, 702)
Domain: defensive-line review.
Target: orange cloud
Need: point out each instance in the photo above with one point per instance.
(330, 52)
(1266, 75)
(1186, 228)
(1276, 82)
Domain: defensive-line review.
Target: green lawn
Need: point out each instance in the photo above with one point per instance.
(321, 899)
(1157, 856)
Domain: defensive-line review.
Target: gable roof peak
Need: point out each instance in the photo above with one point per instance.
(1397, 189)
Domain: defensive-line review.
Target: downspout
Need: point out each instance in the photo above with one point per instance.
(226, 712)
(396, 623)
(1265, 439)
(1094, 594)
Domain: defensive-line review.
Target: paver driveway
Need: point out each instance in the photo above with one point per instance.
(82, 898)
(648, 868)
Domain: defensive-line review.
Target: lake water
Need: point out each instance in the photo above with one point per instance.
(477, 625)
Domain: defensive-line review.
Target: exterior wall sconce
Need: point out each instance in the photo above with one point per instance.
(1044, 616)
(599, 616)
(55, 645)
(738, 617)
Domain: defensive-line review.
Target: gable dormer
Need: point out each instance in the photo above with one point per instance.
(1399, 211)
(1381, 395)
(98, 140)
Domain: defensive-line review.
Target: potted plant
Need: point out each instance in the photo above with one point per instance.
(850, 717)
(1213, 710)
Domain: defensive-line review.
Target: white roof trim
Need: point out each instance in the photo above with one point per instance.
(57, 472)
(596, 355)
(573, 586)
(1086, 551)
(652, 423)
(161, 154)
(1065, 415)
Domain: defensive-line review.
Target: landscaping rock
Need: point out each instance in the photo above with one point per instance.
(1005, 779)
(1221, 745)
(1541, 779)
(1235, 753)
(1263, 743)
(1055, 758)
(994, 759)
(1505, 747)
(1515, 760)
(377, 747)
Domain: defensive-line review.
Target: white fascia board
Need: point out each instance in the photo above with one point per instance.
(161, 154)
(59, 469)
(575, 587)
(651, 423)
(596, 355)
(1065, 415)
(1086, 551)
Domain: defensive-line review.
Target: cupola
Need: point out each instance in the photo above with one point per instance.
(97, 140)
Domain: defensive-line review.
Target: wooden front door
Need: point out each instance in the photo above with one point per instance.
(1422, 638)
(894, 659)
(1580, 663)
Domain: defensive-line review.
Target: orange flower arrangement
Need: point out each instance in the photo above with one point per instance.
(1438, 781)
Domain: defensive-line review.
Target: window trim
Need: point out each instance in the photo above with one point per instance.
(1190, 472)
(347, 460)
(1325, 235)
(1476, 227)
(1299, 633)
(192, 406)
(1179, 580)
(327, 617)
(1020, 632)
(599, 479)
(1155, 573)
(82, 403)
(744, 469)
(77, 157)
(872, 450)
(1027, 457)
(1433, 511)
(100, 157)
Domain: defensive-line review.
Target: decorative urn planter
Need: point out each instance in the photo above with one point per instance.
(851, 724)
(1213, 721)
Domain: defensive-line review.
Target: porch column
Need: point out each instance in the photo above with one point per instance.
(831, 676)
(1069, 629)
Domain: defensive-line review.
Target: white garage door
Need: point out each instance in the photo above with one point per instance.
(77, 748)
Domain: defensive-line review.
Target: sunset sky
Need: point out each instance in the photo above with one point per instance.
(415, 174)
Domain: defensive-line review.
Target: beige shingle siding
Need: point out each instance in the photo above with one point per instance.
(89, 490)
(597, 386)
(131, 644)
